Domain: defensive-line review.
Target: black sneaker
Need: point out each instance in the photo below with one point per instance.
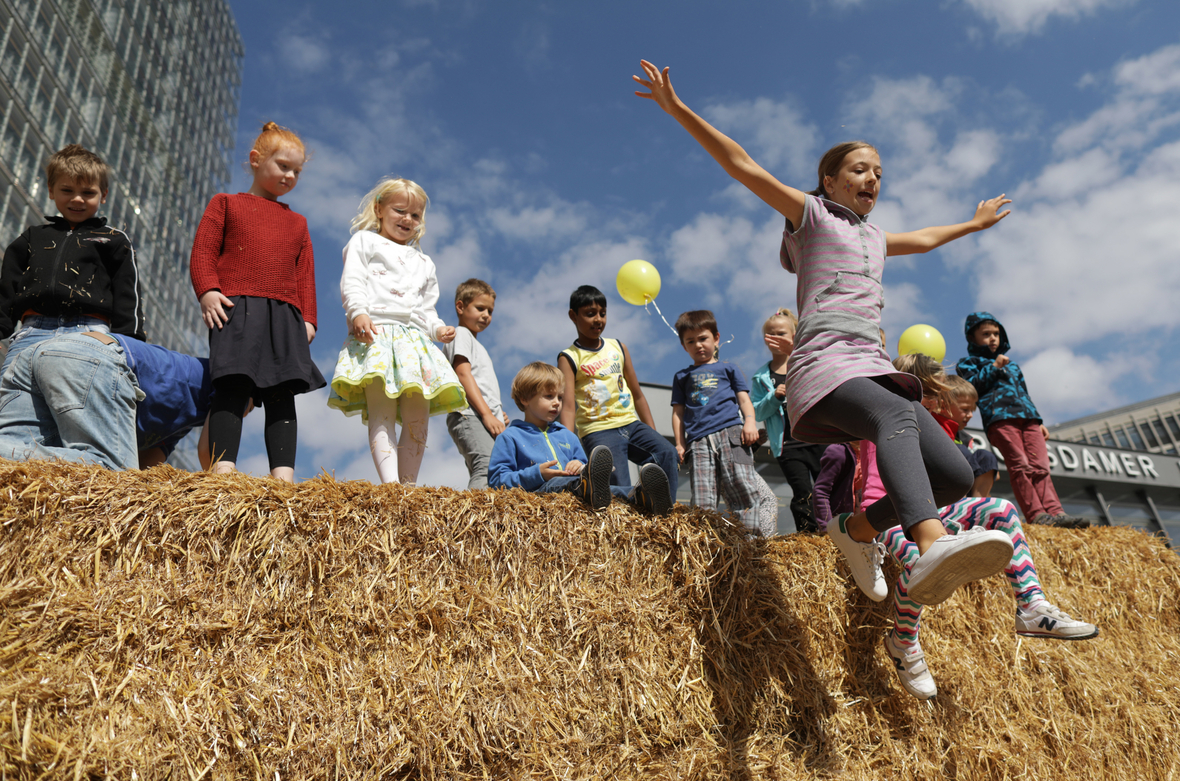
(1064, 521)
(654, 493)
(595, 488)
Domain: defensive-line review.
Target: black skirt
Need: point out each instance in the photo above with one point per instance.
(265, 340)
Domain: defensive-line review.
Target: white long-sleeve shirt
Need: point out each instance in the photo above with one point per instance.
(389, 282)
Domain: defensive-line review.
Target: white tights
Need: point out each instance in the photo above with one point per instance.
(400, 462)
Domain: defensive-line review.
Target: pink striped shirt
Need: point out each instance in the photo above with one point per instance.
(839, 258)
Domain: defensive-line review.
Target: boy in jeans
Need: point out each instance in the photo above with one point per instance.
(713, 420)
(1012, 423)
(603, 391)
(540, 455)
(75, 273)
(475, 427)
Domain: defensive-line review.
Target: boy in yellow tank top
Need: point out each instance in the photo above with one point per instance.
(603, 398)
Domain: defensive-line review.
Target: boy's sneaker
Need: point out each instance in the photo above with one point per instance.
(956, 559)
(1042, 519)
(1046, 620)
(595, 488)
(1064, 521)
(864, 559)
(912, 671)
(654, 492)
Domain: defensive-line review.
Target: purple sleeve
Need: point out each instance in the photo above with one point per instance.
(833, 466)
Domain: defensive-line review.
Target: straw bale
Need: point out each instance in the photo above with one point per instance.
(166, 624)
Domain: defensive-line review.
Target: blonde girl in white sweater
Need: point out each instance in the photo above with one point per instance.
(388, 370)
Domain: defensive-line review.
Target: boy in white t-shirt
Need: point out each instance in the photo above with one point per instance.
(475, 428)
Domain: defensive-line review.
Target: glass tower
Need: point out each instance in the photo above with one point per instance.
(150, 85)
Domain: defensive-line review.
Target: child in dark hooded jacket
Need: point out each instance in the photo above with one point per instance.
(1011, 420)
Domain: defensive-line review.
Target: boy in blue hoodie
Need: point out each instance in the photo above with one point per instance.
(1012, 423)
(540, 455)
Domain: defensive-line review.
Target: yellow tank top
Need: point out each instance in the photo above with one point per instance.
(601, 394)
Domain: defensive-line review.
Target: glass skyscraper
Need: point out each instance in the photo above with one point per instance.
(150, 85)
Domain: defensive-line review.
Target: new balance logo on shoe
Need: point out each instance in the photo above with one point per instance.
(1047, 624)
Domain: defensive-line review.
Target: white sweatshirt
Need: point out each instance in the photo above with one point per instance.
(389, 282)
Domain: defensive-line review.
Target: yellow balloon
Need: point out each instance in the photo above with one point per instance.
(638, 282)
(923, 339)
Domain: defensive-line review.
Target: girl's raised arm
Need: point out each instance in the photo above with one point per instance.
(987, 214)
(787, 201)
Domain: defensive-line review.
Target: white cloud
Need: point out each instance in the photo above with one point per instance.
(1022, 17)
(305, 53)
(1064, 383)
(733, 259)
(775, 133)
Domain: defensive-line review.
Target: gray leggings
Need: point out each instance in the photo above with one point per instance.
(905, 435)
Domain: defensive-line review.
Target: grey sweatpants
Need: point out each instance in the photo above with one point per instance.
(919, 464)
(474, 444)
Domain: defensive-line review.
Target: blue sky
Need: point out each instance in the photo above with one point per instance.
(545, 172)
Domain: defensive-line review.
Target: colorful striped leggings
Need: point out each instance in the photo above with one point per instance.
(963, 514)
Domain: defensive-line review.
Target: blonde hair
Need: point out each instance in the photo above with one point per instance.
(80, 164)
(959, 389)
(535, 378)
(470, 289)
(274, 137)
(781, 314)
(927, 370)
(368, 215)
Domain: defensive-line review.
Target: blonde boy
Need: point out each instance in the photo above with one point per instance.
(475, 428)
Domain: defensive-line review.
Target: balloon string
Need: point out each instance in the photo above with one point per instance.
(652, 301)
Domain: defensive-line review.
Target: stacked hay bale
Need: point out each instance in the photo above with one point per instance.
(163, 624)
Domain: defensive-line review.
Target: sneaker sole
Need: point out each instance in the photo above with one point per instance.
(656, 488)
(961, 567)
(1051, 636)
(600, 473)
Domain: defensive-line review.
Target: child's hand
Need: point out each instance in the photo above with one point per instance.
(493, 424)
(548, 472)
(1001, 361)
(445, 333)
(310, 331)
(987, 213)
(213, 309)
(1044, 431)
(781, 345)
(749, 432)
(574, 467)
(680, 453)
(363, 329)
(780, 391)
(660, 85)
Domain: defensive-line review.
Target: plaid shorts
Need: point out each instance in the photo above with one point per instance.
(721, 461)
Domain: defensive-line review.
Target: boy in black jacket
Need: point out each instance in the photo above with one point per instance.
(75, 273)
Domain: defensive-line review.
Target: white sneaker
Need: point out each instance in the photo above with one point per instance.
(911, 667)
(1047, 620)
(957, 559)
(864, 559)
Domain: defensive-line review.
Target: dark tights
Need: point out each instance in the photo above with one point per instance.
(232, 393)
(907, 439)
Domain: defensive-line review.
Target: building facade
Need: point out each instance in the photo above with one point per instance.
(151, 86)
(1152, 426)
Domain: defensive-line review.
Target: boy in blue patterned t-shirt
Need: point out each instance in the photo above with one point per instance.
(713, 420)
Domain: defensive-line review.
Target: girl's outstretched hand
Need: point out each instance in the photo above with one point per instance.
(659, 84)
(988, 212)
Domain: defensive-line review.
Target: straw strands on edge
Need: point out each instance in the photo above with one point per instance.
(164, 624)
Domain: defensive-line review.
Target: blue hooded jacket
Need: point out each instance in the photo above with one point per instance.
(1002, 392)
(520, 450)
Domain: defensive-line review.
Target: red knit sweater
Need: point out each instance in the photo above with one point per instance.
(250, 246)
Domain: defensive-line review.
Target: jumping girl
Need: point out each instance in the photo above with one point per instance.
(840, 384)
(388, 370)
(254, 274)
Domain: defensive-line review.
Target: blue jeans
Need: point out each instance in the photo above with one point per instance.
(70, 397)
(37, 328)
(571, 482)
(637, 442)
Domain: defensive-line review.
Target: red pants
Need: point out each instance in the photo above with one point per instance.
(1022, 445)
